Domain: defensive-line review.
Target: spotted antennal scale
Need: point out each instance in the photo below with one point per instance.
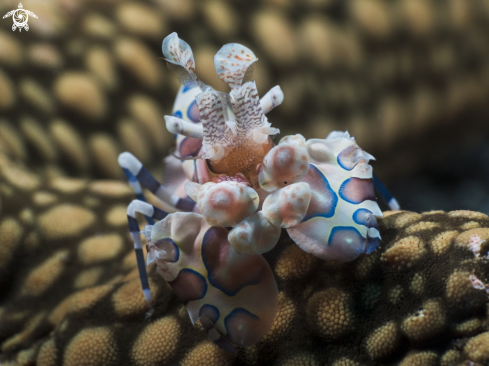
(234, 64)
(181, 61)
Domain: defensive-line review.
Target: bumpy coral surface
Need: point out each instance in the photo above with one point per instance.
(85, 83)
(70, 294)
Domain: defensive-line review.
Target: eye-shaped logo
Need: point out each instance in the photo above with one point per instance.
(20, 17)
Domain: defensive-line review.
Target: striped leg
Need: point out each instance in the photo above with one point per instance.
(133, 167)
(154, 213)
(138, 191)
(385, 194)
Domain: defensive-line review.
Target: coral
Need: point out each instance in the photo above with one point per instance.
(11, 232)
(328, 312)
(416, 228)
(73, 86)
(301, 359)
(100, 248)
(476, 240)
(383, 341)
(478, 348)
(420, 359)
(47, 355)
(293, 263)
(405, 219)
(417, 285)
(281, 324)
(427, 322)
(405, 252)
(92, 346)
(452, 357)
(158, 343)
(72, 296)
(458, 285)
(207, 354)
(345, 362)
(45, 274)
(440, 243)
(65, 220)
(468, 327)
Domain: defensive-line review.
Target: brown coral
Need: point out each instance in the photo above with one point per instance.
(281, 324)
(345, 362)
(474, 240)
(44, 275)
(458, 285)
(293, 263)
(451, 357)
(440, 243)
(472, 215)
(427, 322)
(114, 48)
(100, 248)
(65, 220)
(421, 226)
(478, 348)
(329, 313)
(207, 354)
(10, 235)
(405, 219)
(158, 343)
(92, 347)
(302, 359)
(89, 300)
(47, 355)
(383, 341)
(405, 252)
(417, 285)
(468, 327)
(420, 359)
(128, 299)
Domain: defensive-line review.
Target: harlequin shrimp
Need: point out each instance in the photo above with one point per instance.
(229, 190)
